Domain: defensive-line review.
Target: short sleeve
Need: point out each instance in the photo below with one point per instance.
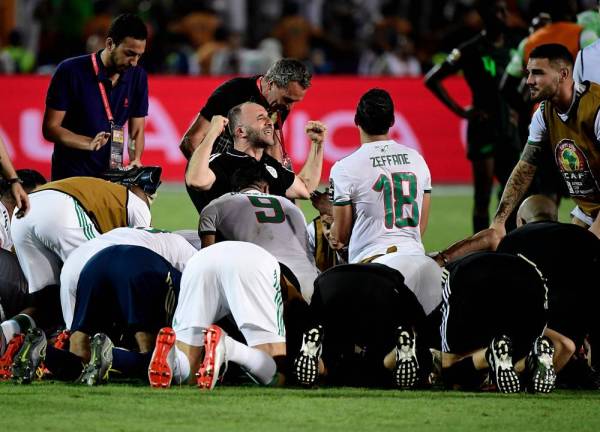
(208, 219)
(340, 186)
(537, 127)
(5, 239)
(140, 97)
(138, 212)
(310, 230)
(427, 177)
(281, 177)
(59, 91)
(219, 102)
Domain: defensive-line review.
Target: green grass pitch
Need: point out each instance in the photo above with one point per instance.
(45, 406)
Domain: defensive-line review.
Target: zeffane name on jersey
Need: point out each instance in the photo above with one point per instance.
(395, 159)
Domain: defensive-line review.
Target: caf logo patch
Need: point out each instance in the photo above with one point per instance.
(569, 157)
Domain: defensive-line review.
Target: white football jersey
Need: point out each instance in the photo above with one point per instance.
(5, 238)
(270, 221)
(172, 247)
(384, 182)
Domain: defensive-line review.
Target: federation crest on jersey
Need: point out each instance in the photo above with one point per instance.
(271, 171)
(575, 169)
(569, 157)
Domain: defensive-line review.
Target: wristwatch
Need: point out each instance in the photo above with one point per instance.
(14, 180)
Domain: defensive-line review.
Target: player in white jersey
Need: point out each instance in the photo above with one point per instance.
(70, 212)
(172, 247)
(272, 222)
(229, 278)
(381, 192)
(28, 180)
(587, 64)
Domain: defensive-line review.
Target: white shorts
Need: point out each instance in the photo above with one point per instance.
(421, 274)
(71, 270)
(236, 278)
(46, 236)
(579, 214)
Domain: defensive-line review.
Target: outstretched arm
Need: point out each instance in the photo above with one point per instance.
(516, 186)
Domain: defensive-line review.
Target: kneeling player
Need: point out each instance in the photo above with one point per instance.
(498, 301)
(122, 290)
(368, 318)
(235, 278)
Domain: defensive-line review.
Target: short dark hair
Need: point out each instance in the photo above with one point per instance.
(375, 112)
(30, 180)
(233, 117)
(127, 25)
(287, 70)
(254, 173)
(552, 52)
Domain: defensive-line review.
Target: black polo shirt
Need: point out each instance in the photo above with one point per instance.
(74, 89)
(225, 164)
(232, 93)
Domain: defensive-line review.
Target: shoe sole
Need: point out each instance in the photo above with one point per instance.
(23, 368)
(306, 365)
(208, 374)
(406, 371)
(544, 375)
(6, 361)
(504, 375)
(160, 374)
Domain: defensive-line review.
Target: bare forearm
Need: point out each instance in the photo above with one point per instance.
(8, 171)
(311, 171)
(60, 135)
(198, 172)
(515, 188)
(136, 145)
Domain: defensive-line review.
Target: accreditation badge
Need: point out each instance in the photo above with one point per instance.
(117, 134)
(117, 141)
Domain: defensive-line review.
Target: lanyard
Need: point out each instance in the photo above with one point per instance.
(102, 91)
(279, 121)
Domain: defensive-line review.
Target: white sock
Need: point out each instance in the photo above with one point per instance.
(258, 363)
(9, 329)
(181, 366)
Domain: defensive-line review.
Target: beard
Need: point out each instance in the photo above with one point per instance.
(542, 94)
(257, 139)
(116, 66)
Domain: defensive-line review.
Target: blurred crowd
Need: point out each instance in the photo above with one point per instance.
(225, 37)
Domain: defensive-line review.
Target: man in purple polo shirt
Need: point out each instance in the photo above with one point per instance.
(90, 99)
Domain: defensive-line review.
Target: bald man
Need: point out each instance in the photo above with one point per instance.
(537, 208)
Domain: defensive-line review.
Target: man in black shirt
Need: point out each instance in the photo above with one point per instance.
(568, 256)
(492, 138)
(368, 319)
(208, 177)
(284, 84)
(499, 301)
